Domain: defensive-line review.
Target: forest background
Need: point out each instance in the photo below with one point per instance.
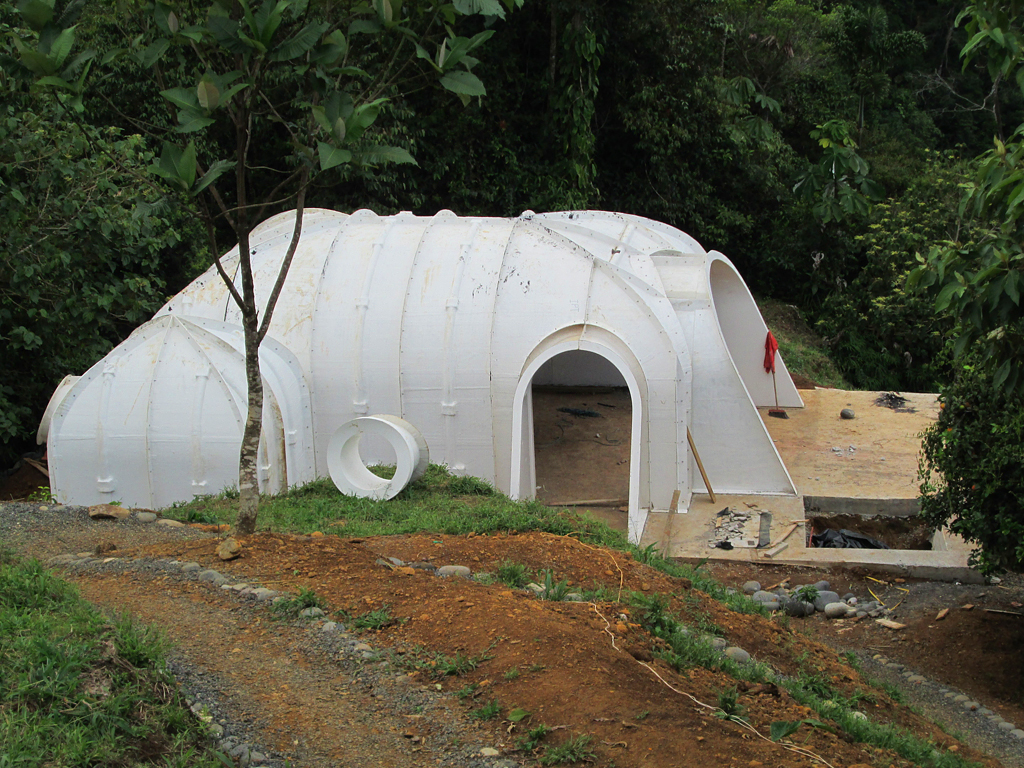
(822, 146)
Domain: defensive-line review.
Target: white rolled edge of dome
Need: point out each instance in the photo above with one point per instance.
(51, 407)
(351, 475)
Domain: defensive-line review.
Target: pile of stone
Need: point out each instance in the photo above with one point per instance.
(808, 599)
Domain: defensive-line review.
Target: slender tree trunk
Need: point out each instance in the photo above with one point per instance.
(248, 471)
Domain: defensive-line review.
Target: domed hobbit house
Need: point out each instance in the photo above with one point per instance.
(444, 322)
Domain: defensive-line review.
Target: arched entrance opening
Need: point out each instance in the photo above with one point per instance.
(582, 427)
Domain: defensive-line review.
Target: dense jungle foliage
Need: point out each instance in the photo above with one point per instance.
(823, 146)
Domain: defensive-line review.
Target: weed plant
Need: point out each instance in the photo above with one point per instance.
(375, 619)
(513, 574)
(488, 711)
(533, 737)
(575, 750)
(554, 590)
(81, 691)
(300, 601)
(459, 664)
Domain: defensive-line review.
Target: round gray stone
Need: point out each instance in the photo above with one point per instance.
(917, 679)
(213, 577)
(1005, 726)
(773, 605)
(751, 587)
(311, 613)
(763, 597)
(847, 413)
(971, 705)
(216, 730)
(361, 648)
(191, 567)
(737, 654)
(146, 517)
(167, 522)
(719, 643)
(263, 593)
(836, 610)
(960, 698)
(822, 585)
(1018, 732)
(330, 626)
(454, 570)
(825, 596)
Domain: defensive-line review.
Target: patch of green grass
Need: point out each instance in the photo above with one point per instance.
(512, 674)
(438, 502)
(575, 750)
(375, 619)
(513, 574)
(642, 715)
(533, 738)
(488, 711)
(459, 664)
(297, 603)
(81, 690)
(467, 690)
(554, 590)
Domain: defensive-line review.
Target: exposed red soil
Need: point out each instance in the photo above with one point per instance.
(582, 668)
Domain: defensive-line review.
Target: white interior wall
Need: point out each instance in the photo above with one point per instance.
(580, 369)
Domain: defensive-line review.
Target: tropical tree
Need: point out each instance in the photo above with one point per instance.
(264, 98)
(972, 457)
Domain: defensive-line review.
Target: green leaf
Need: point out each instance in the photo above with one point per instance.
(56, 82)
(185, 98)
(211, 175)
(363, 27)
(37, 13)
(518, 714)
(61, 47)
(1001, 374)
(208, 94)
(299, 43)
(151, 55)
(482, 7)
(332, 156)
(377, 155)
(190, 121)
(782, 729)
(162, 14)
(946, 295)
(463, 83)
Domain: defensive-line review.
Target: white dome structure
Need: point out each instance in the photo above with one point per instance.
(443, 322)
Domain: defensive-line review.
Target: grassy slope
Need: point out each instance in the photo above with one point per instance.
(804, 352)
(79, 690)
(442, 503)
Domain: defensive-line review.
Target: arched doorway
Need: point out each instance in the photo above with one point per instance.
(591, 369)
(582, 419)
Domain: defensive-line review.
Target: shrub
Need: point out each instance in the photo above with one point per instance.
(972, 469)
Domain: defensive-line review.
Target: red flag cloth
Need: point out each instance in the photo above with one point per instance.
(771, 346)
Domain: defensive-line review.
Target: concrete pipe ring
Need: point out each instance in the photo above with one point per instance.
(351, 475)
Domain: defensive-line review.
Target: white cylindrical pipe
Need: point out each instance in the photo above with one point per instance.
(351, 475)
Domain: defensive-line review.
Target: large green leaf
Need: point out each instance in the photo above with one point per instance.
(483, 7)
(37, 13)
(332, 156)
(185, 98)
(299, 43)
(465, 83)
(378, 155)
(152, 53)
(213, 172)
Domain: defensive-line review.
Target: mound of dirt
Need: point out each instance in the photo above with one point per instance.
(578, 668)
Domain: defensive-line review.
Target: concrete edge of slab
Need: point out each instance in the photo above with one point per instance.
(844, 505)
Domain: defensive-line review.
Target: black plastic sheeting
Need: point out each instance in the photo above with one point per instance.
(844, 539)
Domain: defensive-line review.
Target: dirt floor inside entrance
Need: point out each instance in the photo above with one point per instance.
(581, 440)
